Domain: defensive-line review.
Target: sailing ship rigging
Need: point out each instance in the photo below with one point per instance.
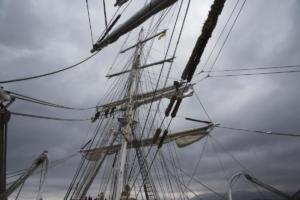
(133, 123)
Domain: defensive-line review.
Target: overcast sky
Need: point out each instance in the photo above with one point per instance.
(42, 36)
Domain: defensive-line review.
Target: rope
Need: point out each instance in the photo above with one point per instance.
(230, 154)
(249, 74)
(43, 177)
(214, 148)
(260, 131)
(258, 73)
(256, 68)
(50, 118)
(201, 183)
(50, 73)
(160, 73)
(155, 90)
(157, 84)
(113, 19)
(104, 12)
(219, 37)
(14, 175)
(204, 109)
(187, 8)
(202, 40)
(46, 103)
(227, 36)
(90, 25)
(16, 172)
(165, 82)
(19, 192)
(199, 160)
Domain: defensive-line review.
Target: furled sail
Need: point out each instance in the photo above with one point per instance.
(168, 92)
(182, 139)
(140, 17)
(187, 140)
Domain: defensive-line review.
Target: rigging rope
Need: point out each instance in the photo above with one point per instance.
(50, 73)
(219, 37)
(156, 87)
(46, 103)
(50, 118)
(104, 12)
(250, 73)
(231, 155)
(260, 131)
(204, 109)
(113, 20)
(155, 90)
(255, 73)
(43, 176)
(90, 25)
(202, 40)
(214, 148)
(188, 72)
(227, 36)
(201, 183)
(16, 172)
(199, 160)
(19, 191)
(201, 43)
(255, 68)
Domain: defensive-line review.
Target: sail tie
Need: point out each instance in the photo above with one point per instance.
(156, 135)
(177, 105)
(163, 137)
(170, 106)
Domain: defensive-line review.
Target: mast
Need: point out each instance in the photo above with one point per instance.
(4, 118)
(132, 100)
(127, 122)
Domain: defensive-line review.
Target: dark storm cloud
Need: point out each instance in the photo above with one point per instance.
(42, 36)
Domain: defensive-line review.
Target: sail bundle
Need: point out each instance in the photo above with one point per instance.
(148, 97)
(182, 139)
(153, 7)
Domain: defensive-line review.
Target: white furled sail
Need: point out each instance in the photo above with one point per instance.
(152, 96)
(137, 19)
(182, 139)
(187, 140)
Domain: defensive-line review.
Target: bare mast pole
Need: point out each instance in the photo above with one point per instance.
(127, 122)
(4, 118)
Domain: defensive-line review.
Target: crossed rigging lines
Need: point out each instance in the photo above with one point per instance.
(50, 104)
(33, 100)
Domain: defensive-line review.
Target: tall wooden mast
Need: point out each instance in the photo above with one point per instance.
(127, 122)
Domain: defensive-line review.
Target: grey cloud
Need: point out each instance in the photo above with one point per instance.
(37, 37)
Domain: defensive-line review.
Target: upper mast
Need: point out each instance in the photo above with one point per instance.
(127, 122)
